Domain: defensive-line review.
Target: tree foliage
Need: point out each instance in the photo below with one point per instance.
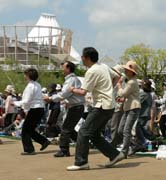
(151, 62)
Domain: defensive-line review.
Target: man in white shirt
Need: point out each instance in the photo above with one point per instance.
(99, 80)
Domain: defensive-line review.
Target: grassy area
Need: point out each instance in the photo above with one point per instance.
(32, 60)
(16, 78)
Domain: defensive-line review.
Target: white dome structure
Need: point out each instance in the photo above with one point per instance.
(47, 26)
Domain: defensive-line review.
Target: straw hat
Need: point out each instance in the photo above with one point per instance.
(119, 69)
(131, 66)
(9, 89)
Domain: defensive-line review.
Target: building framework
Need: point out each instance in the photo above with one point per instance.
(20, 45)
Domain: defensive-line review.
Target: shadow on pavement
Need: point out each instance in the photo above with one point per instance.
(124, 165)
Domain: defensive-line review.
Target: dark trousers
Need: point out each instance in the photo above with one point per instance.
(91, 130)
(10, 117)
(53, 117)
(141, 132)
(74, 114)
(53, 129)
(32, 119)
(163, 125)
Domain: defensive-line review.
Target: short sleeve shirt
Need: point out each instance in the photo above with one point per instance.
(98, 80)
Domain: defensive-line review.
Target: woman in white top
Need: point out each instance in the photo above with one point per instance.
(33, 105)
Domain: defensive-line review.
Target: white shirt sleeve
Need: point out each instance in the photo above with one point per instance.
(26, 98)
(56, 97)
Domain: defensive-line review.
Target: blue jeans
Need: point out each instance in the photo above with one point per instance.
(125, 127)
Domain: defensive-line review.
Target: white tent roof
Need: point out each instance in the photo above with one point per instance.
(60, 58)
(75, 54)
(41, 35)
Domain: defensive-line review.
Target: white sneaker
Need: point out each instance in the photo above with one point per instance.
(77, 168)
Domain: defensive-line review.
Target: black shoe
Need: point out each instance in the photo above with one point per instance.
(62, 154)
(28, 153)
(44, 146)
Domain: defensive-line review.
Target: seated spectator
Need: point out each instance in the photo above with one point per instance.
(9, 107)
(18, 123)
(162, 102)
(1, 122)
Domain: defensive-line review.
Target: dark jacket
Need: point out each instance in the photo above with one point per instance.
(54, 105)
(146, 104)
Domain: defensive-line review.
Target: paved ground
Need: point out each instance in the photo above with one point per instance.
(44, 166)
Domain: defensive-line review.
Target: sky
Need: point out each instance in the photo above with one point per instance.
(110, 26)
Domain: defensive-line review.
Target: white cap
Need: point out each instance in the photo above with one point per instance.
(44, 90)
(58, 87)
(153, 85)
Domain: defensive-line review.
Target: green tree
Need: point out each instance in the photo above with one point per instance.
(151, 62)
(142, 54)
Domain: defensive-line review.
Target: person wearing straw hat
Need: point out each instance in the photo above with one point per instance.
(9, 106)
(131, 105)
(114, 122)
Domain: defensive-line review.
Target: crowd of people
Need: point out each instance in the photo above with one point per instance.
(111, 108)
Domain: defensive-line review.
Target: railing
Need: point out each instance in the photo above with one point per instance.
(19, 41)
(21, 67)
